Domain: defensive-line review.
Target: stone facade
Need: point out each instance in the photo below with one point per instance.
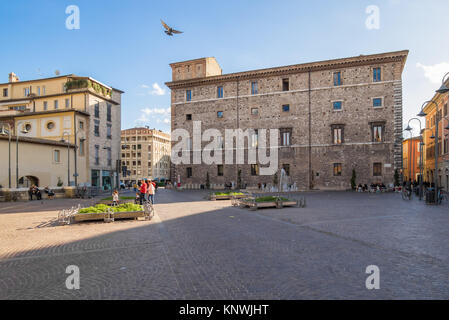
(321, 97)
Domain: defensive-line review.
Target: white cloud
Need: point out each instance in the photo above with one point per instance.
(157, 90)
(144, 86)
(155, 115)
(434, 72)
(159, 111)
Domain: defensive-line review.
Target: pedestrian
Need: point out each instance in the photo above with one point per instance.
(38, 193)
(151, 191)
(31, 192)
(115, 198)
(143, 191)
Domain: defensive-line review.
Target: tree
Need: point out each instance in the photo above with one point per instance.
(396, 178)
(207, 181)
(353, 179)
(239, 179)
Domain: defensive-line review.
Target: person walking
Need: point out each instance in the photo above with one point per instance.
(115, 198)
(143, 191)
(151, 191)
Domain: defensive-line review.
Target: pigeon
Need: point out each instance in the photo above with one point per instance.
(169, 31)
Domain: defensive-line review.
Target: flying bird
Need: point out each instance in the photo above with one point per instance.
(168, 30)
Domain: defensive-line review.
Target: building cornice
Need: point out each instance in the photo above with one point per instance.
(39, 141)
(398, 56)
(30, 114)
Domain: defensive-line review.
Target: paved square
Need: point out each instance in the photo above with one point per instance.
(198, 249)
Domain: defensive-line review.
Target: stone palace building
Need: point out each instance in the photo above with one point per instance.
(334, 117)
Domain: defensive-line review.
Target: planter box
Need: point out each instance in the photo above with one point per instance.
(100, 216)
(214, 197)
(256, 205)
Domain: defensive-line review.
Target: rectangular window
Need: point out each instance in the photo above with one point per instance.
(109, 156)
(338, 135)
(219, 92)
(337, 105)
(5, 92)
(109, 131)
(286, 168)
(97, 110)
(254, 87)
(377, 169)
(337, 169)
(254, 170)
(57, 156)
(97, 128)
(26, 92)
(188, 117)
(189, 172)
(255, 138)
(45, 105)
(220, 171)
(377, 102)
(38, 91)
(188, 95)
(56, 104)
(286, 108)
(220, 114)
(377, 75)
(97, 154)
(81, 147)
(109, 112)
(81, 125)
(67, 103)
(286, 137)
(285, 84)
(377, 133)
(337, 79)
(255, 111)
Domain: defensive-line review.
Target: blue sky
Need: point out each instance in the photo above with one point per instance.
(121, 43)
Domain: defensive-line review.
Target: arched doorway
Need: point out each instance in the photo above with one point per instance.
(28, 181)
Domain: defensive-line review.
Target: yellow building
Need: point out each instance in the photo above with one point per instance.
(69, 108)
(429, 135)
(145, 154)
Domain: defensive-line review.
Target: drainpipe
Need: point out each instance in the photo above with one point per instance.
(238, 126)
(310, 132)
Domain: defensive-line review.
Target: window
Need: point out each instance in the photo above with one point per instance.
(56, 103)
(45, 105)
(109, 112)
(286, 108)
(377, 132)
(50, 125)
(109, 156)
(286, 168)
(38, 91)
(81, 147)
(26, 92)
(219, 92)
(220, 170)
(337, 105)
(67, 103)
(188, 117)
(97, 110)
(27, 127)
(56, 156)
(254, 170)
(337, 169)
(286, 137)
(254, 87)
(220, 114)
(285, 84)
(377, 169)
(188, 95)
(255, 111)
(109, 131)
(97, 154)
(377, 76)
(377, 102)
(5, 92)
(97, 128)
(337, 134)
(445, 110)
(337, 79)
(189, 172)
(255, 138)
(81, 125)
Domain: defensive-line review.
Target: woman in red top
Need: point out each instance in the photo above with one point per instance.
(143, 191)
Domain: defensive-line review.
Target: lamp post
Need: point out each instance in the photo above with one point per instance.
(68, 155)
(421, 144)
(437, 120)
(4, 133)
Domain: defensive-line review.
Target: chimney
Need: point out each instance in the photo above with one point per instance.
(13, 77)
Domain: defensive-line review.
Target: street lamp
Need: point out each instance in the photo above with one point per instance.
(437, 120)
(68, 155)
(444, 89)
(421, 144)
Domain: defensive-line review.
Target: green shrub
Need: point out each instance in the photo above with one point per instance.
(102, 208)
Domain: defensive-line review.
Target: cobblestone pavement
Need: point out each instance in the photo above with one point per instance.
(198, 249)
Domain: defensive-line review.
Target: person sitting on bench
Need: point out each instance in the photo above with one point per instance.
(49, 193)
